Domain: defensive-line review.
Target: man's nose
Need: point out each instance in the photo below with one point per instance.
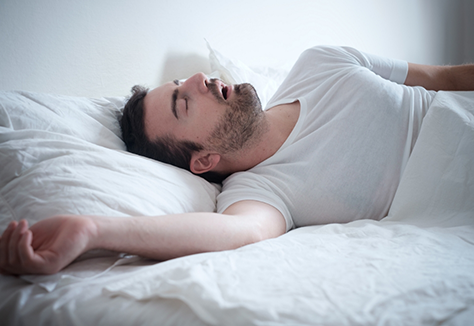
(197, 82)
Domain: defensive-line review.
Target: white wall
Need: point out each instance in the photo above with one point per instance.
(102, 48)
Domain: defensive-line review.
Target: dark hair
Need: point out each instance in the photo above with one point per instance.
(165, 149)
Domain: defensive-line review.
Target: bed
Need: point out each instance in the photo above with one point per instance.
(63, 154)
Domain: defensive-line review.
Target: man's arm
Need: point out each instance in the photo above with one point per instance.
(447, 78)
(171, 236)
(51, 244)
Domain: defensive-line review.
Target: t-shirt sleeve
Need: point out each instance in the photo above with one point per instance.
(391, 69)
(248, 186)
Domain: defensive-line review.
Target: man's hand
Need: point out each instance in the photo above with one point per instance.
(45, 248)
(441, 78)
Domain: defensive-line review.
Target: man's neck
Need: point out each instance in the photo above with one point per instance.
(280, 122)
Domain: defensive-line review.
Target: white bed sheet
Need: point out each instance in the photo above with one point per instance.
(415, 267)
(364, 273)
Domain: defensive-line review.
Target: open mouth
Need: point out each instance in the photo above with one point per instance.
(220, 89)
(225, 92)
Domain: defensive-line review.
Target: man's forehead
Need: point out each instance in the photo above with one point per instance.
(158, 97)
(156, 93)
(155, 103)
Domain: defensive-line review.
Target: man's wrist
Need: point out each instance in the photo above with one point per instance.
(95, 227)
(106, 232)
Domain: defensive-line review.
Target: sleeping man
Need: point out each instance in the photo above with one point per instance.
(330, 147)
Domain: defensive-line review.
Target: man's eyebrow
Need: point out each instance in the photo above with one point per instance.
(174, 97)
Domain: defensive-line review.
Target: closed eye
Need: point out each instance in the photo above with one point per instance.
(174, 98)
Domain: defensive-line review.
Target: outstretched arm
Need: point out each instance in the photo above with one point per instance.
(51, 244)
(171, 236)
(447, 78)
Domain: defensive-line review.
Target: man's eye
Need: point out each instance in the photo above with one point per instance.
(181, 102)
(176, 82)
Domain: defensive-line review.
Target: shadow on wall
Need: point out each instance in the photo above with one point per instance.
(179, 66)
(459, 32)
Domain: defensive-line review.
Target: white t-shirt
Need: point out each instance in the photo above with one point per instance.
(344, 158)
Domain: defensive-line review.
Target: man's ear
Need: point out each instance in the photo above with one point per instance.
(204, 161)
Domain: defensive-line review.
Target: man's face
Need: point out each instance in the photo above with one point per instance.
(207, 112)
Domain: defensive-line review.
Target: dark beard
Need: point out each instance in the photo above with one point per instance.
(242, 123)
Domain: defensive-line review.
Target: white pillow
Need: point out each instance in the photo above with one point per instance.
(266, 80)
(64, 155)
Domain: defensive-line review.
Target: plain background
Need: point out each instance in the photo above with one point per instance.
(100, 48)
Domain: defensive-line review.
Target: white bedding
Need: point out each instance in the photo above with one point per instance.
(415, 267)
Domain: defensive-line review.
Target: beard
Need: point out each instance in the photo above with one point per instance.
(242, 124)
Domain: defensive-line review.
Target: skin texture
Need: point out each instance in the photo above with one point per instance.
(447, 78)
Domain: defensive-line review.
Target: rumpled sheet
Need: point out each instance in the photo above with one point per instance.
(363, 273)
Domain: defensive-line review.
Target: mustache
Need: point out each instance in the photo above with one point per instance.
(214, 89)
(245, 91)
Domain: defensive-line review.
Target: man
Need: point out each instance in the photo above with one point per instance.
(331, 147)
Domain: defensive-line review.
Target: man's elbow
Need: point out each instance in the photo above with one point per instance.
(265, 231)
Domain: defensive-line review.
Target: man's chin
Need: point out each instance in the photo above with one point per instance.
(248, 96)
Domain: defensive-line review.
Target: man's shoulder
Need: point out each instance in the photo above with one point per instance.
(249, 176)
(328, 52)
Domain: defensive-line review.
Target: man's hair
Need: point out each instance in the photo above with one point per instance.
(165, 149)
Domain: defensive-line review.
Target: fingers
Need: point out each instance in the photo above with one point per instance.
(4, 243)
(25, 251)
(11, 255)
